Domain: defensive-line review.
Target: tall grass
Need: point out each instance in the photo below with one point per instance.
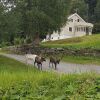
(22, 82)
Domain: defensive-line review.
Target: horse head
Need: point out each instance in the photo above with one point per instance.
(58, 61)
(43, 59)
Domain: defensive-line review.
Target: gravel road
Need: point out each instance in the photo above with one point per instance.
(63, 67)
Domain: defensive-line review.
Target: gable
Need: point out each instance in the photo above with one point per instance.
(75, 18)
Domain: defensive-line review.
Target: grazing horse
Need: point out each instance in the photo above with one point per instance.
(39, 60)
(54, 61)
(36, 59)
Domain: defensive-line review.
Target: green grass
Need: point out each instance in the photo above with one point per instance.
(82, 59)
(92, 41)
(4, 51)
(22, 82)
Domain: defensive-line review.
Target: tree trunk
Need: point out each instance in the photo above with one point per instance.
(36, 39)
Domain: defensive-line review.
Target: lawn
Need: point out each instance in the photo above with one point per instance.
(92, 41)
(23, 82)
(82, 60)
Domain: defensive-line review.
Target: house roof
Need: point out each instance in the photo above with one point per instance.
(75, 14)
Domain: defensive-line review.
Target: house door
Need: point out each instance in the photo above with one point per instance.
(87, 30)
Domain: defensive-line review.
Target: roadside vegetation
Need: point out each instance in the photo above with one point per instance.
(92, 42)
(24, 82)
(82, 60)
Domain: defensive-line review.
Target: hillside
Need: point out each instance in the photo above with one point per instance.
(77, 42)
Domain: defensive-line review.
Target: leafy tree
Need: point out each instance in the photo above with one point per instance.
(80, 7)
(97, 18)
(1, 20)
(91, 7)
(11, 26)
(42, 16)
(10, 23)
(97, 12)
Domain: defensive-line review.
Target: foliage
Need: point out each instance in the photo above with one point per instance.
(97, 12)
(33, 17)
(20, 81)
(4, 44)
(9, 25)
(19, 41)
(41, 17)
(80, 7)
(91, 9)
(96, 28)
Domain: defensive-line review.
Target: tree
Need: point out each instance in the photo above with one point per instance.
(42, 16)
(1, 20)
(12, 25)
(97, 12)
(9, 22)
(80, 7)
(91, 7)
(97, 18)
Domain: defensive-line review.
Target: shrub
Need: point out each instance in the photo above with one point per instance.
(3, 44)
(96, 28)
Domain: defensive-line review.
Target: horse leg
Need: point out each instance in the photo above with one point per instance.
(41, 66)
(55, 66)
(52, 65)
(49, 64)
(26, 60)
(38, 66)
(34, 63)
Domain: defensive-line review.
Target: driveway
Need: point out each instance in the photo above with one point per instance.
(63, 67)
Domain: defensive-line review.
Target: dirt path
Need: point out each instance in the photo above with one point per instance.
(63, 67)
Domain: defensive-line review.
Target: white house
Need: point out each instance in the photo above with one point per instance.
(74, 27)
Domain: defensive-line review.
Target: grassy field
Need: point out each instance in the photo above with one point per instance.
(92, 41)
(21, 82)
(82, 59)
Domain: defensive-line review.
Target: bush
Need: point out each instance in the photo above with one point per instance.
(28, 40)
(3, 44)
(96, 28)
(19, 41)
(0, 45)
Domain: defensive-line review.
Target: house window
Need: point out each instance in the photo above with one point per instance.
(70, 29)
(84, 29)
(78, 20)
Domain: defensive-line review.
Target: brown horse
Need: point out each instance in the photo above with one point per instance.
(54, 61)
(39, 60)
